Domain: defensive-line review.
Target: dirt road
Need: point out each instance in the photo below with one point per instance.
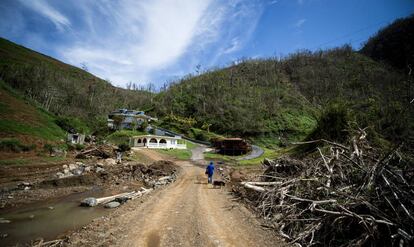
(186, 213)
(189, 213)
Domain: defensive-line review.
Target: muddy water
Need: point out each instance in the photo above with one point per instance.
(47, 219)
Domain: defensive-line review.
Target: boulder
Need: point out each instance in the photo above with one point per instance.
(112, 205)
(87, 169)
(89, 202)
(78, 163)
(110, 161)
(65, 167)
(66, 171)
(72, 167)
(99, 169)
(77, 172)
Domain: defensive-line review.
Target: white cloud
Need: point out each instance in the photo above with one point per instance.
(61, 22)
(140, 39)
(240, 24)
(299, 23)
(148, 40)
(235, 45)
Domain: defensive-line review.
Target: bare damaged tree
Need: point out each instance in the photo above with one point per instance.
(349, 195)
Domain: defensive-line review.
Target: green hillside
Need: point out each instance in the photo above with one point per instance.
(22, 120)
(61, 88)
(249, 99)
(393, 44)
(270, 101)
(284, 98)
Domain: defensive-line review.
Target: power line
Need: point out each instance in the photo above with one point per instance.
(354, 32)
(349, 34)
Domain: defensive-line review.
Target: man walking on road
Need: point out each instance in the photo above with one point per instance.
(209, 172)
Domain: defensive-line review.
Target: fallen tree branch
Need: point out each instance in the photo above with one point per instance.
(253, 187)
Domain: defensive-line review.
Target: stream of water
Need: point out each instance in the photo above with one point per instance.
(47, 219)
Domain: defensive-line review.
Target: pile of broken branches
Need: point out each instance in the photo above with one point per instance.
(343, 195)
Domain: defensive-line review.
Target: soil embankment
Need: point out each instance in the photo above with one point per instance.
(45, 203)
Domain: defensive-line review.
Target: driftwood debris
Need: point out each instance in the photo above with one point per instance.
(342, 195)
(91, 202)
(102, 151)
(52, 243)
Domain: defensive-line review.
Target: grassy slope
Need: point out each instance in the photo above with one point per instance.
(273, 102)
(61, 88)
(182, 154)
(23, 120)
(243, 100)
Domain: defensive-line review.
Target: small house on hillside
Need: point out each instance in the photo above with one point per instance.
(76, 138)
(155, 141)
(231, 146)
(128, 119)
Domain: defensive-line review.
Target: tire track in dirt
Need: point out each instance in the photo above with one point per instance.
(189, 213)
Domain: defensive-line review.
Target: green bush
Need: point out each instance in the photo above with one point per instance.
(142, 126)
(48, 148)
(200, 136)
(70, 147)
(124, 147)
(79, 147)
(14, 145)
(333, 123)
(72, 125)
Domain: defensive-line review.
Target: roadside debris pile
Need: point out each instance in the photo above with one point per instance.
(155, 175)
(159, 173)
(101, 151)
(78, 176)
(344, 195)
(77, 169)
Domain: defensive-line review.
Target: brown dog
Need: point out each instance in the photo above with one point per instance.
(218, 183)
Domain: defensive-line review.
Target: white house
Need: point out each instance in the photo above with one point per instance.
(154, 141)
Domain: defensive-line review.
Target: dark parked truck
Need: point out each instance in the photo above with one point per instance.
(231, 146)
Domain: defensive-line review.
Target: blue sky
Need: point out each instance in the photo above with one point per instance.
(162, 40)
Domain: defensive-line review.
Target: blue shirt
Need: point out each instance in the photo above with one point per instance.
(210, 169)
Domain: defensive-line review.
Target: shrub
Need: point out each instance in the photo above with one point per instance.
(124, 147)
(14, 145)
(26, 148)
(72, 125)
(48, 148)
(70, 147)
(79, 147)
(200, 136)
(333, 123)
